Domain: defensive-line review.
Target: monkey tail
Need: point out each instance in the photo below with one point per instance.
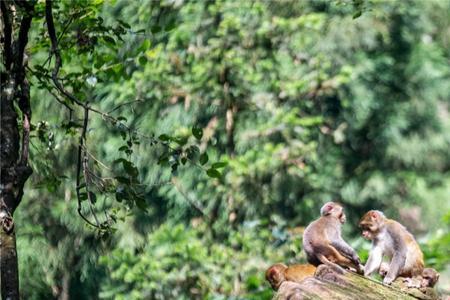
(323, 259)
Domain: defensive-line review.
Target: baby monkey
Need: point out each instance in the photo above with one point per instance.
(323, 243)
(389, 238)
(279, 273)
(427, 279)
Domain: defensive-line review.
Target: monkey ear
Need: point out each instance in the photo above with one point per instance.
(326, 209)
(374, 215)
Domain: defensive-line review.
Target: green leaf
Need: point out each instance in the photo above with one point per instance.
(142, 60)
(156, 29)
(181, 140)
(164, 137)
(197, 132)
(141, 203)
(83, 196)
(122, 179)
(357, 14)
(213, 173)
(92, 197)
(109, 40)
(192, 152)
(120, 193)
(146, 45)
(163, 160)
(219, 165)
(130, 168)
(203, 158)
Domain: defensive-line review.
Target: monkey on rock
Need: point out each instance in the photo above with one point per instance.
(323, 243)
(391, 239)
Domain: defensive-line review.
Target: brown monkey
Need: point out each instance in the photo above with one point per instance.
(323, 243)
(427, 279)
(389, 238)
(278, 273)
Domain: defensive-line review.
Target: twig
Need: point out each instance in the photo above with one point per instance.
(87, 182)
(49, 90)
(79, 164)
(55, 52)
(96, 159)
(185, 196)
(123, 104)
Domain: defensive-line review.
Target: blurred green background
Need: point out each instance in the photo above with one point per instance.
(306, 102)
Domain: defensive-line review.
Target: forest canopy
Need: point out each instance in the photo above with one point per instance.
(179, 148)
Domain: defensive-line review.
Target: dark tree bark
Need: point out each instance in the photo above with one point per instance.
(15, 171)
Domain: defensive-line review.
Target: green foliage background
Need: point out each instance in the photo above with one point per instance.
(304, 101)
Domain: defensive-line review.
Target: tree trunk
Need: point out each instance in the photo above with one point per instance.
(15, 171)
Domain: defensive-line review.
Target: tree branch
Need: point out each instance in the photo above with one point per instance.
(55, 51)
(81, 156)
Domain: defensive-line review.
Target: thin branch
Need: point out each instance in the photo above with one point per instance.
(50, 91)
(65, 28)
(96, 159)
(87, 182)
(79, 165)
(55, 51)
(189, 200)
(123, 104)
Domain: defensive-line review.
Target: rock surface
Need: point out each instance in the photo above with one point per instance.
(328, 284)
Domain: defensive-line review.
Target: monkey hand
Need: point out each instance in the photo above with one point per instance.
(387, 280)
(360, 269)
(384, 268)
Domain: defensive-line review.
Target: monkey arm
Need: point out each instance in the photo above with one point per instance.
(374, 261)
(399, 258)
(398, 261)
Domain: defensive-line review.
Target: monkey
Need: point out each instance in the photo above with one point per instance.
(323, 243)
(427, 279)
(389, 238)
(279, 273)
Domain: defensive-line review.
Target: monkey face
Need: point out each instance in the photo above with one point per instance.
(367, 234)
(275, 275)
(370, 224)
(342, 217)
(429, 277)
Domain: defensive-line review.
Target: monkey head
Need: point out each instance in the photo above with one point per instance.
(371, 223)
(429, 278)
(275, 275)
(333, 209)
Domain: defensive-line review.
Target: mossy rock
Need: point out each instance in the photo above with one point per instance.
(328, 284)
